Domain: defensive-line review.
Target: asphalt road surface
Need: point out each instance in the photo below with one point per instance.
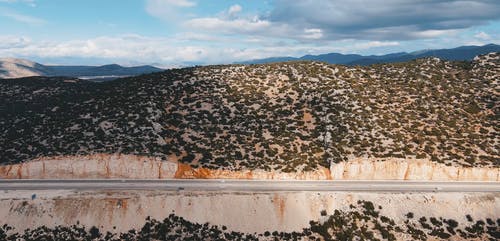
(250, 185)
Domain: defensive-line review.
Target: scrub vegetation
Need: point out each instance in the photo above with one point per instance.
(293, 116)
(361, 222)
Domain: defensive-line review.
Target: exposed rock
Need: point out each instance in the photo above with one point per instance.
(409, 169)
(131, 166)
(135, 167)
(187, 172)
(93, 166)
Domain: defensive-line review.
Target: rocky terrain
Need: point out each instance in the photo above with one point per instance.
(142, 167)
(287, 117)
(156, 215)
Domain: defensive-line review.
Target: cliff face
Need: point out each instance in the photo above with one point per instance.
(408, 169)
(135, 167)
(92, 166)
(187, 172)
(139, 167)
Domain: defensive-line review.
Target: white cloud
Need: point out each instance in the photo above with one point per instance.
(127, 49)
(168, 10)
(237, 26)
(383, 19)
(313, 33)
(292, 28)
(111, 49)
(434, 33)
(177, 3)
(324, 21)
(192, 36)
(233, 10)
(182, 3)
(13, 42)
(29, 2)
(482, 35)
(23, 18)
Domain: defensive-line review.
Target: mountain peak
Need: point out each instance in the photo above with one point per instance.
(111, 66)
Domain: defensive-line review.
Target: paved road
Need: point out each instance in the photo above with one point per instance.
(251, 185)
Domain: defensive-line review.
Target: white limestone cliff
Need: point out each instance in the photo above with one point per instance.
(141, 167)
(409, 169)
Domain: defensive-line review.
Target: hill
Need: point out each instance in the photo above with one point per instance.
(18, 68)
(464, 53)
(287, 116)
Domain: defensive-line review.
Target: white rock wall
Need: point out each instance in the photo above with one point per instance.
(140, 167)
(409, 169)
(92, 166)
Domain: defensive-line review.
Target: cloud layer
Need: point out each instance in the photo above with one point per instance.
(384, 19)
(234, 32)
(167, 10)
(22, 18)
(357, 19)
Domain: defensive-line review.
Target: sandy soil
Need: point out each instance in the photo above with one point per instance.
(246, 212)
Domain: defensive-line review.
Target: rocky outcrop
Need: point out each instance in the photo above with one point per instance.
(409, 169)
(141, 167)
(91, 166)
(136, 167)
(187, 172)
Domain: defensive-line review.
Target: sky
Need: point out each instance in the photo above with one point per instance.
(171, 33)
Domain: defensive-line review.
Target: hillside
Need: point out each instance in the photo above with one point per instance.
(463, 53)
(288, 117)
(19, 68)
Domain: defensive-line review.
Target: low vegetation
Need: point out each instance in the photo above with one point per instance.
(285, 116)
(361, 222)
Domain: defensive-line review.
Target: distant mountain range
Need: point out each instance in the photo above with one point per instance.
(17, 68)
(461, 53)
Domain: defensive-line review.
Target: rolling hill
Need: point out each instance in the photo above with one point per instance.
(292, 116)
(18, 68)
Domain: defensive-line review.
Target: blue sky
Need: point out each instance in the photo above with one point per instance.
(183, 32)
